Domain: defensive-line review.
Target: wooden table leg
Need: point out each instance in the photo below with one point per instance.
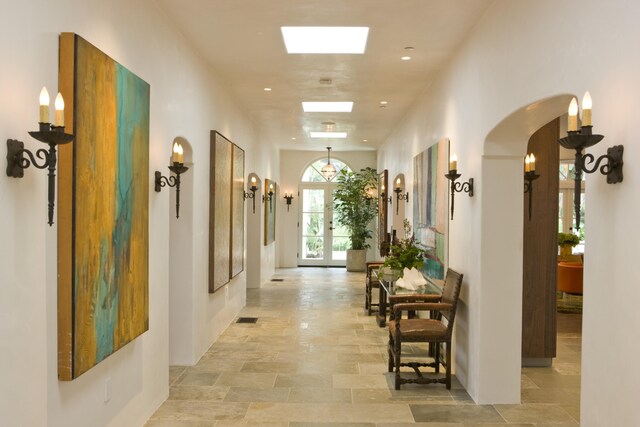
(381, 317)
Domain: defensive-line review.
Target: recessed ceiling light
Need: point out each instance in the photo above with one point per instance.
(383, 102)
(267, 89)
(364, 140)
(327, 107)
(405, 58)
(325, 39)
(293, 138)
(328, 134)
(409, 48)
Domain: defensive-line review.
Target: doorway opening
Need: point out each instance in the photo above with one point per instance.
(321, 240)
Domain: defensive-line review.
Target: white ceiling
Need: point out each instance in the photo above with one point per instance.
(241, 39)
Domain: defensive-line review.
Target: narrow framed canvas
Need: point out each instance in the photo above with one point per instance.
(220, 212)
(383, 212)
(431, 197)
(270, 211)
(237, 214)
(103, 187)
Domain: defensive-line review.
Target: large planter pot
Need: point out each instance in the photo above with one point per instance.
(356, 259)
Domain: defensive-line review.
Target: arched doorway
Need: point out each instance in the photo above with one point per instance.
(321, 241)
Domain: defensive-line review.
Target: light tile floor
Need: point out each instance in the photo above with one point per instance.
(314, 358)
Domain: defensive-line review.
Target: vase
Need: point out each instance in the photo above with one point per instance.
(565, 250)
(356, 259)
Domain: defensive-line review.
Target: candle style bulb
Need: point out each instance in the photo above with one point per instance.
(453, 163)
(572, 124)
(398, 182)
(586, 109)
(59, 115)
(527, 164)
(44, 105)
(176, 152)
(532, 163)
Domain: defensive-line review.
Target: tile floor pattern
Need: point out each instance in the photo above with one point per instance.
(314, 358)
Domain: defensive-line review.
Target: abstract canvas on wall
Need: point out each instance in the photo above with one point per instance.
(226, 211)
(430, 195)
(270, 211)
(103, 272)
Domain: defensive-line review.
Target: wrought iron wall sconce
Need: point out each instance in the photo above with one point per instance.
(404, 196)
(530, 175)
(383, 196)
(177, 166)
(289, 198)
(459, 187)
(578, 140)
(50, 134)
(269, 196)
(252, 195)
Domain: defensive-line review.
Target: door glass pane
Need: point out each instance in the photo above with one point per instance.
(312, 247)
(561, 212)
(313, 200)
(341, 240)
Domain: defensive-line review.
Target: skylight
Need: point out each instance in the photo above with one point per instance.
(327, 107)
(328, 134)
(328, 40)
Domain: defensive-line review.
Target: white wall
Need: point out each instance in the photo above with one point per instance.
(293, 164)
(520, 53)
(187, 100)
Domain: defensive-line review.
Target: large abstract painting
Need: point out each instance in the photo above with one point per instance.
(103, 273)
(226, 211)
(270, 190)
(430, 207)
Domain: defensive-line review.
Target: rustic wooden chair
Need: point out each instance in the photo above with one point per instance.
(433, 331)
(370, 284)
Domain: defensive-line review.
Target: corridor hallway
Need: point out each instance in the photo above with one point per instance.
(314, 358)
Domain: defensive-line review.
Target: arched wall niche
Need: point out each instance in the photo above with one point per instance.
(181, 282)
(501, 187)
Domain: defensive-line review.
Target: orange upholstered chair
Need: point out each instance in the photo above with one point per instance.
(570, 277)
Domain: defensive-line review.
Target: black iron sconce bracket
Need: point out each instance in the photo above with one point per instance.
(289, 199)
(269, 197)
(459, 187)
(17, 162)
(399, 197)
(251, 195)
(612, 162)
(528, 187)
(171, 181)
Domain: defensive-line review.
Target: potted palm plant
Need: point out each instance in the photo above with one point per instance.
(355, 210)
(567, 241)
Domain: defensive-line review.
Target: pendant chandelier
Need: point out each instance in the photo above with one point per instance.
(328, 170)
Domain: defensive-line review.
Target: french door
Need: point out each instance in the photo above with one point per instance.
(322, 242)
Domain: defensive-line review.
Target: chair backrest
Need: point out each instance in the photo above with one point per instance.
(451, 294)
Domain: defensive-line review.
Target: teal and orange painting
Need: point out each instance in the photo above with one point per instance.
(109, 205)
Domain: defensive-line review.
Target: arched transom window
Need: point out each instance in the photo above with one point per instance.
(312, 174)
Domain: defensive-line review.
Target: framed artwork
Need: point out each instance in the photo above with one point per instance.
(270, 191)
(237, 212)
(431, 198)
(103, 218)
(226, 211)
(383, 212)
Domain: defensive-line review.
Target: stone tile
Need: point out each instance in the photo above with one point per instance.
(534, 413)
(270, 367)
(359, 381)
(192, 392)
(243, 379)
(304, 380)
(244, 423)
(191, 410)
(550, 395)
(372, 368)
(248, 394)
(175, 372)
(329, 367)
(332, 424)
(456, 413)
(219, 365)
(194, 377)
(319, 395)
(179, 423)
(424, 425)
(334, 413)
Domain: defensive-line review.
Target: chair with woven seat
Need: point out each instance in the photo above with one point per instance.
(433, 331)
(371, 283)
